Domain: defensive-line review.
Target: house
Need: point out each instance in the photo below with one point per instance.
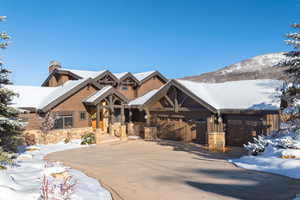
(134, 104)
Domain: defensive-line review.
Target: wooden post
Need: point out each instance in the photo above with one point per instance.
(130, 115)
(122, 115)
(148, 120)
(97, 116)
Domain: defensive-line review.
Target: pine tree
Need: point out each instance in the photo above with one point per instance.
(9, 125)
(291, 89)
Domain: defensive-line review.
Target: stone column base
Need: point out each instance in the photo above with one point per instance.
(130, 128)
(123, 135)
(216, 141)
(150, 133)
(98, 133)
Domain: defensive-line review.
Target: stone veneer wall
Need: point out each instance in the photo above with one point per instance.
(56, 136)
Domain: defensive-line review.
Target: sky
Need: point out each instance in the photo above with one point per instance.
(177, 37)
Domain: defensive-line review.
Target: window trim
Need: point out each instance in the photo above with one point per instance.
(80, 115)
(63, 116)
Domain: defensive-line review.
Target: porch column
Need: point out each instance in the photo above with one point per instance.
(122, 115)
(97, 116)
(110, 122)
(130, 115)
(148, 116)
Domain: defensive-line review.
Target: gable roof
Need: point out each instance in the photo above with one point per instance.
(144, 76)
(242, 95)
(64, 91)
(143, 99)
(103, 93)
(29, 96)
(222, 97)
(83, 73)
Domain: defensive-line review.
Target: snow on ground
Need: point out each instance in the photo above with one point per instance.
(23, 181)
(271, 161)
(281, 156)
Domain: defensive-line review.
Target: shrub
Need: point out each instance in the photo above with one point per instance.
(30, 139)
(258, 146)
(88, 138)
(67, 140)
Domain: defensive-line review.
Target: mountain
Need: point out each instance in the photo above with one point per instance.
(258, 67)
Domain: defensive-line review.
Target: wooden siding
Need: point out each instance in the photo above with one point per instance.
(74, 105)
(153, 83)
(33, 120)
(130, 93)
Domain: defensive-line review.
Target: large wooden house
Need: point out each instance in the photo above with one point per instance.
(132, 103)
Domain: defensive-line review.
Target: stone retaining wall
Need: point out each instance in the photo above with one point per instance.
(56, 136)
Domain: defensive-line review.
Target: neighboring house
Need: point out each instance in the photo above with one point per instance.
(181, 110)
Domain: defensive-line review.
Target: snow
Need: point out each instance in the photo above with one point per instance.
(23, 181)
(141, 76)
(271, 161)
(256, 63)
(98, 94)
(59, 91)
(29, 96)
(120, 75)
(249, 94)
(84, 73)
(143, 99)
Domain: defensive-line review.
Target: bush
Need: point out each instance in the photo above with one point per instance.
(67, 140)
(88, 138)
(30, 139)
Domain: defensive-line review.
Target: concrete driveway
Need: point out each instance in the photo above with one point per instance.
(138, 170)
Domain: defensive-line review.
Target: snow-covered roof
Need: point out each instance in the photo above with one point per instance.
(60, 91)
(97, 94)
(248, 94)
(143, 99)
(120, 75)
(84, 73)
(141, 76)
(29, 96)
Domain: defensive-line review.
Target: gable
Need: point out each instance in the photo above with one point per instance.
(174, 99)
(178, 97)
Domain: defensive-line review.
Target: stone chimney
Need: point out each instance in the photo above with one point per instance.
(54, 65)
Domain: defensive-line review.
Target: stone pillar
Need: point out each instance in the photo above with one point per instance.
(98, 134)
(216, 141)
(150, 133)
(123, 135)
(130, 128)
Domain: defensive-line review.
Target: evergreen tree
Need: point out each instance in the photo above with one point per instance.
(291, 89)
(9, 125)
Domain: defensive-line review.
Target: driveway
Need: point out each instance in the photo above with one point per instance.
(139, 170)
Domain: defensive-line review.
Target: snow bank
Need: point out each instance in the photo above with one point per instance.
(23, 181)
(281, 156)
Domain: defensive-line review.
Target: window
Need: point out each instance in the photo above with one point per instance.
(82, 116)
(124, 88)
(63, 122)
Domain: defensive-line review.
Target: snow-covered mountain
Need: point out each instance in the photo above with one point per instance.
(258, 67)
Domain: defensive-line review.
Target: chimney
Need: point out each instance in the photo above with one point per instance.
(54, 65)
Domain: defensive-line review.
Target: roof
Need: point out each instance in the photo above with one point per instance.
(143, 99)
(98, 94)
(29, 96)
(246, 94)
(64, 91)
(141, 76)
(83, 73)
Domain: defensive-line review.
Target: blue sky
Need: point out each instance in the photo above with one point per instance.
(178, 38)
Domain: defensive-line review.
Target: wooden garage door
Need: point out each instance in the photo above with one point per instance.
(179, 130)
(241, 129)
